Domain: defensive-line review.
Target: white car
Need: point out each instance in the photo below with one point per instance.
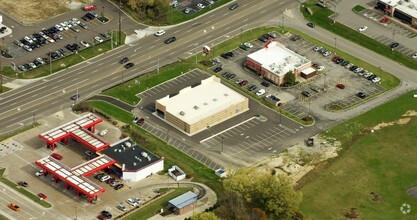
(27, 48)
(84, 43)
(75, 20)
(260, 92)
(363, 28)
(187, 10)
(414, 55)
(159, 33)
(40, 60)
(358, 70)
(317, 48)
(103, 132)
(28, 39)
(248, 45)
(39, 173)
(327, 53)
(320, 68)
(200, 6)
(59, 27)
(104, 178)
(97, 38)
(376, 79)
(132, 202)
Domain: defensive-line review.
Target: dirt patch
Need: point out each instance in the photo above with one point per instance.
(29, 12)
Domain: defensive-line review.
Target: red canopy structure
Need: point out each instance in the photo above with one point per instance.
(76, 177)
(80, 129)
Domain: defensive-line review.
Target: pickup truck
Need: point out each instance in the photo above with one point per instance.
(14, 207)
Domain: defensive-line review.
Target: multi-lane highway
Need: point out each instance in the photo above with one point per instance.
(51, 94)
(18, 107)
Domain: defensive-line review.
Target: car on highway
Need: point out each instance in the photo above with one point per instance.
(42, 196)
(159, 33)
(75, 97)
(22, 183)
(170, 40)
(311, 25)
(123, 60)
(57, 156)
(129, 65)
(363, 28)
(234, 6)
(14, 207)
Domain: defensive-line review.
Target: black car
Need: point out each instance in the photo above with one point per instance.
(361, 95)
(129, 65)
(394, 45)
(311, 25)
(263, 39)
(225, 74)
(230, 54)
(295, 37)
(345, 63)
(170, 40)
(123, 60)
(252, 87)
(234, 6)
(231, 76)
(119, 186)
(266, 84)
(106, 214)
(217, 69)
(75, 97)
(225, 56)
(353, 68)
(305, 93)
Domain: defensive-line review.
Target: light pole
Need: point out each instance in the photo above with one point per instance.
(1, 68)
(335, 45)
(241, 30)
(50, 62)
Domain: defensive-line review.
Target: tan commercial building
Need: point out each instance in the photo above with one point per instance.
(275, 60)
(195, 109)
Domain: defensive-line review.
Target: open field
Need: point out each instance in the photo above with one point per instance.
(380, 163)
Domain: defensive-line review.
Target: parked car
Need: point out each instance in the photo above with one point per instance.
(305, 93)
(103, 132)
(340, 85)
(414, 55)
(98, 39)
(217, 69)
(252, 87)
(84, 43)
(363, 28)
(243, 47)
(104, 178)
(266, 84)
(263, 39)
(57, 156)
(361, 95)
(248, 45)
(260, 92)
(394, 45)
(106, 214)
(317, 48)
(39, 173)
(132, 202)
(119, 186)
(121, 207)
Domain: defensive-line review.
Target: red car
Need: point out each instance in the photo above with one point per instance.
(57, 156)
(340, 86)
(384, 20)
(335, 58)
(315, 65)
(90, 8)
(42, 196)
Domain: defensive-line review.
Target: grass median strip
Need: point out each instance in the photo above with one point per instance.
(28, 194)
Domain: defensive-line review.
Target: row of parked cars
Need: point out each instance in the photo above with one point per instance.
(110, 180)
(356, 69)
(268, 36)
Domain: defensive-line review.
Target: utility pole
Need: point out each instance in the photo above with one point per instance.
(222, 145)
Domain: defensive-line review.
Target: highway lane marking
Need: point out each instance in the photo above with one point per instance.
(189, 30)
(94, 71)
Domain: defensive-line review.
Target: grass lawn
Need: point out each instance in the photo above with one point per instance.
(67, 61)
(321, 17)
(28, 194)
(370, 162)
(152, 208)
(358, 8)
(172, 156)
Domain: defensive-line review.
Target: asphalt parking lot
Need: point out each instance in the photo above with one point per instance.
(246, 138)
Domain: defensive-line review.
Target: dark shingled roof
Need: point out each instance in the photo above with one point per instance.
(132, 155)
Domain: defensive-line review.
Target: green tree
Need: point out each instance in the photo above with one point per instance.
(273, 193)
(289, 79)
(205, 216)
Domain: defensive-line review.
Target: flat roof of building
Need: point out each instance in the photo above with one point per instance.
(133, 156)
(309, 70)
(183, 200)
(390, 2)
(408, 8)
(276, 58)
(61, 171)
(194, 104)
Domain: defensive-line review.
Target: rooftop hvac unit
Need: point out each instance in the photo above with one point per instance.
(144, 154)
(149, 158)
(134, 164)
(120, 150)
(196, 107)
(182, 113)
(128, 144)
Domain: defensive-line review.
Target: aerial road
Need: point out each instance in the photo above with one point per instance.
(21, 106)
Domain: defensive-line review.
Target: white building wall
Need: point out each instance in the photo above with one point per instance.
(134, 176)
